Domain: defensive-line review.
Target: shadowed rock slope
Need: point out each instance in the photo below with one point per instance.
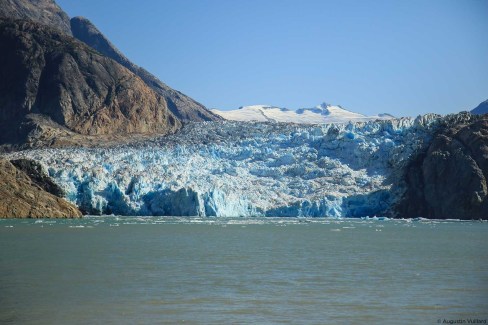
(47, 78)
(24, 195)
(482, 108)
(45, 12)
(449, 180)
(185, 108)
(37, 176)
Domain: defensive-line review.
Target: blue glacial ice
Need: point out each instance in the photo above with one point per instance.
(230, 169)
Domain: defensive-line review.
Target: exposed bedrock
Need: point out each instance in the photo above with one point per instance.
(27, 192)
(45, 12)
(50, 81)
(449, 179)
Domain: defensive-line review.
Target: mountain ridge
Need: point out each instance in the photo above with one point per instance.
(482, 108)
(185, 108)
(47, 13)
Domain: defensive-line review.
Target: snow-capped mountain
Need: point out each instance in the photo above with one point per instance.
(321, 114)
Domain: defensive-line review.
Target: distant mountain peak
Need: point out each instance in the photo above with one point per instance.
(482, 108)
(330, 110)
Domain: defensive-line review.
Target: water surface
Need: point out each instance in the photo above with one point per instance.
(129, 270)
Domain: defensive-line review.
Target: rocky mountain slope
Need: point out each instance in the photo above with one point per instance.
(24, 193)
(45, 12)
(324, 113)
(42, 104)
(46, 75)
(449, 179)
(482, 108)
(183, 107)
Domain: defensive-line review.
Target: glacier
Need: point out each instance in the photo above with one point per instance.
(232, 169)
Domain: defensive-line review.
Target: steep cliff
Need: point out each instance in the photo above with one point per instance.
(449, 179)
(45, 73)
(185, 108)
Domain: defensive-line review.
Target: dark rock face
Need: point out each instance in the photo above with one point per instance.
(37, 176)
(48, 74)
(182, 106)
(481, 108)
(449, 180)
(45, 12)
(22, 196)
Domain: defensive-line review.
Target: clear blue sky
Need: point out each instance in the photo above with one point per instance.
(402, 57)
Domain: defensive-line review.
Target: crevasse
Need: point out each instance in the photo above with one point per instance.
(229, 169)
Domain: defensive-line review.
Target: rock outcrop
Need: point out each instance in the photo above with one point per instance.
(47, 74)
(45, 12)
(185, 108)
(36, 174)
(449, 180)
(23, 195)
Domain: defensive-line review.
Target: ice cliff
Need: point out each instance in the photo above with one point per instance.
(230, 168)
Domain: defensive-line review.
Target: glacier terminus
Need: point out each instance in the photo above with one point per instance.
(231, 169)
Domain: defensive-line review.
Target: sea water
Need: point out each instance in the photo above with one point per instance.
(130, 270)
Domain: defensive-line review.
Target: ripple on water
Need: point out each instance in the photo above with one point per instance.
(115, 269)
